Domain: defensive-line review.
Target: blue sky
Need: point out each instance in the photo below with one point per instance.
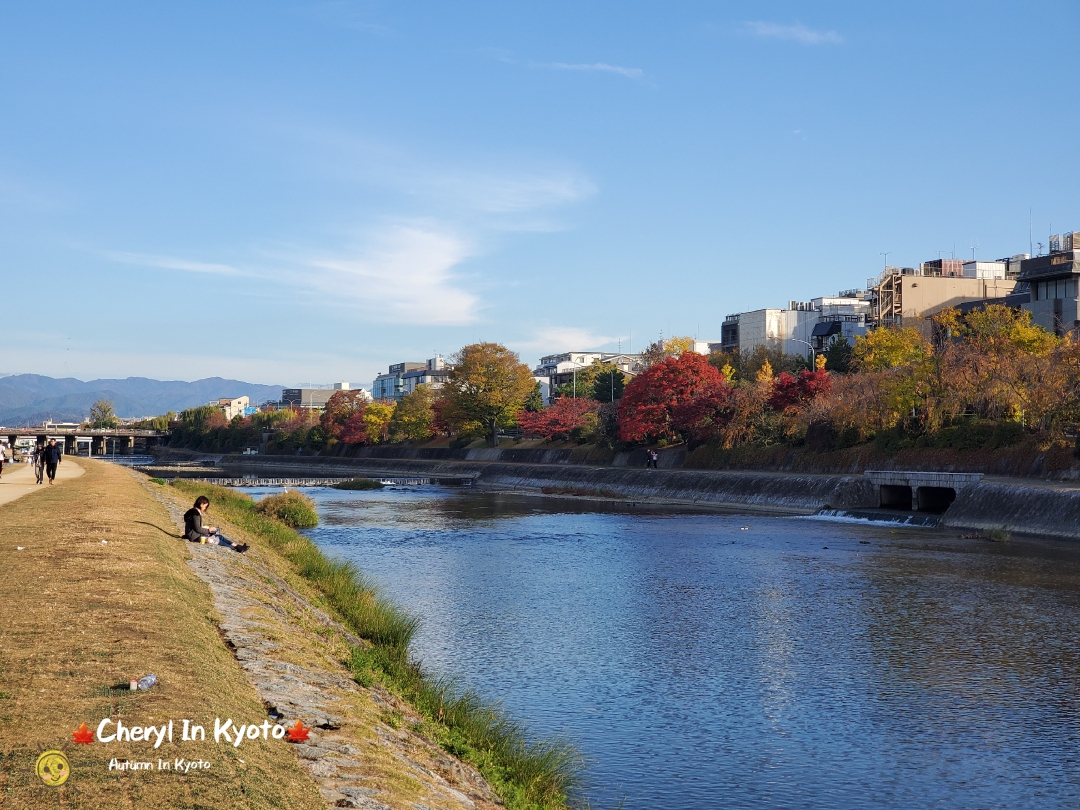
(306, 192)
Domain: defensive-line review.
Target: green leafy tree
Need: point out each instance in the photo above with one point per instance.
(102, 415)
(838, 356)
(486, 389)
(534, 402)
(608, 383)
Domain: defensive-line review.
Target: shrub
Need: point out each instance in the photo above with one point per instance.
(291, 508)
(160, 481)
(358, 483)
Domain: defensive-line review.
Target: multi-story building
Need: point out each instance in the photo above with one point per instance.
(804, 327)
(561, 369)
(403, 378)
(902, 295)
(1054, 282)
(314, 398)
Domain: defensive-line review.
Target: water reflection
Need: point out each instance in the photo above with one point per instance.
(721, 661)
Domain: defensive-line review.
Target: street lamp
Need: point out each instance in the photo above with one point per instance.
(813, 351)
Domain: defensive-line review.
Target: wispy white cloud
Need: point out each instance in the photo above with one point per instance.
(358, 16)
(795, 33)
(404, 274)
(564, 338)
(397, 273)
(459, 191)
(602, 67)
(175, 263)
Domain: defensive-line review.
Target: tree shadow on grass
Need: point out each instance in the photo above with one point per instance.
(175, 533)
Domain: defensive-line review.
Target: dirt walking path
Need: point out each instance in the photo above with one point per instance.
(97, 590)
(19, 480)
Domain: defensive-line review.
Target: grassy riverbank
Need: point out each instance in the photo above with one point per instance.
(99, 593)
(528, 774)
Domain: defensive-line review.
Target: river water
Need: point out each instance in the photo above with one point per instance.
(725, 661)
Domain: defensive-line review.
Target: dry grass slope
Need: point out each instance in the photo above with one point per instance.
(79, 615)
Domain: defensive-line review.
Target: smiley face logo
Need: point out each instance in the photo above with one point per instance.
(53, 768)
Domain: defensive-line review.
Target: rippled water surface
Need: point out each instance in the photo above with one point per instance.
(708, 661)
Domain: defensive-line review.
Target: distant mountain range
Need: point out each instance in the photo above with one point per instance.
(31, 398)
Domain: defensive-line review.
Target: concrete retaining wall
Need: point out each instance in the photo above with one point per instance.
(1052, 511)
(767, 491)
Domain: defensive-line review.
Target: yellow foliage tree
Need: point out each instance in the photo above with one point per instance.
(487, 386)
(885, 348)
(376, 418)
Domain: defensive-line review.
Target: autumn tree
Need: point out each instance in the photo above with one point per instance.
(565, 418)
(486, 388)
(652, 397)
(342, 406)
(102, 415)
(414, 417)
(663, 349)
(885, 348)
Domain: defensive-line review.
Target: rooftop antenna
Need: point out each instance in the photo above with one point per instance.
(886, 255)
(973, 251)
(1031, 250)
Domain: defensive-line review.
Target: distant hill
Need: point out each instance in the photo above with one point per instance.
(31, 398)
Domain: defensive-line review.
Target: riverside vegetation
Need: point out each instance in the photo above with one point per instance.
(963, 383)
(528, 774)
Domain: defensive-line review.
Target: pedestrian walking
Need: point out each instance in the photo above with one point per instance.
(52, 458)
(39, 463)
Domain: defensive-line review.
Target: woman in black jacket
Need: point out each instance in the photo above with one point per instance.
(197, 533)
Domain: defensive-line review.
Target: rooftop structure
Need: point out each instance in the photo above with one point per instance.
(901, 294)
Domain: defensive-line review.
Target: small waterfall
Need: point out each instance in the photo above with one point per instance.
(876, 516)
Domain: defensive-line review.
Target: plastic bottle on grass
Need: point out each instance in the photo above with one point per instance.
(146, 681)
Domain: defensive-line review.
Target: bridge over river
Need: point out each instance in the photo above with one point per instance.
(93, 441)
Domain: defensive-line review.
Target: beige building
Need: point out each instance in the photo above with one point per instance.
(905, 294)
(232, 407)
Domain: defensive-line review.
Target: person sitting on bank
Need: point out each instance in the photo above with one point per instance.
(197, 533)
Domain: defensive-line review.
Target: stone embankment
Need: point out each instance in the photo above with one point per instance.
(363, 750)
(1023, 506)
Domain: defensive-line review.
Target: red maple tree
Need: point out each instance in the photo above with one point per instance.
(701, 418)
(82, 735)
(791, 392)
(648, 405)
(558, 419)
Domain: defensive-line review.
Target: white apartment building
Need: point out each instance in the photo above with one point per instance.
(802, 327)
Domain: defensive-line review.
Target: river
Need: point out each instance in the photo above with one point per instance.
(725, 661)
